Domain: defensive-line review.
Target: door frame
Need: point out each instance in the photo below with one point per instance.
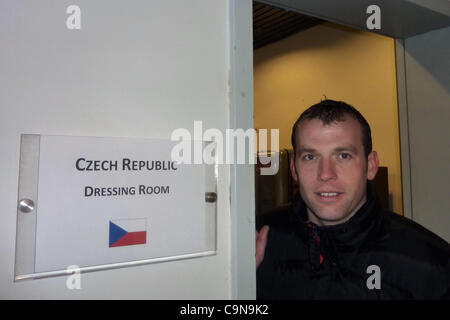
(242, 179)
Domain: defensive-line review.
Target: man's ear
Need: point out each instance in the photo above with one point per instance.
(293, 169)
(372, 165)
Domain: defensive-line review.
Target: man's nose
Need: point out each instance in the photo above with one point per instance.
(327, 170)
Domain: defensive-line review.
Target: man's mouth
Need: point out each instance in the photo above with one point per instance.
(329, 195)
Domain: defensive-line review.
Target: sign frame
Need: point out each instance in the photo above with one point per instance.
(28, 211)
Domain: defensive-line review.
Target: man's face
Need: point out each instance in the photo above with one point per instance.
(331, 169)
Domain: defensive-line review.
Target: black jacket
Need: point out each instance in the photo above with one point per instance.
(304, 261)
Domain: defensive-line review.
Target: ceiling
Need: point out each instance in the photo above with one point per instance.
(400, 19)
(271, 24)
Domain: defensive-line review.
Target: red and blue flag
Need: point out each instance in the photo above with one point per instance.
(127, 232)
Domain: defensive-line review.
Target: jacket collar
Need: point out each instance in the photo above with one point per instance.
(348, 235)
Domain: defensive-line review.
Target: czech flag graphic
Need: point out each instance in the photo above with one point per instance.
(127, 232)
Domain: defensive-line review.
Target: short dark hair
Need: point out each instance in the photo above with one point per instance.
(329, 111)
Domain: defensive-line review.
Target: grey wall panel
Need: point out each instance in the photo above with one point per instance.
(427, 69)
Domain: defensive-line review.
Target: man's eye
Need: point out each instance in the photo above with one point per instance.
(308, 157)
(345, 156)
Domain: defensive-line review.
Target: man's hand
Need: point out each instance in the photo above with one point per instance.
(261, 241)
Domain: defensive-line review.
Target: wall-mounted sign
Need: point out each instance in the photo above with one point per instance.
(109, 202)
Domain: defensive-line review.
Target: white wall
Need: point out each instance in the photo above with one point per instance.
(427, 81)
(135, 69)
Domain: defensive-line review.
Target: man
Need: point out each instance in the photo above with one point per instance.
(335, 241)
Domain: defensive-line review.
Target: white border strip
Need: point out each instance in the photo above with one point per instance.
(113, 266)
(242, 179)
(403, 122)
